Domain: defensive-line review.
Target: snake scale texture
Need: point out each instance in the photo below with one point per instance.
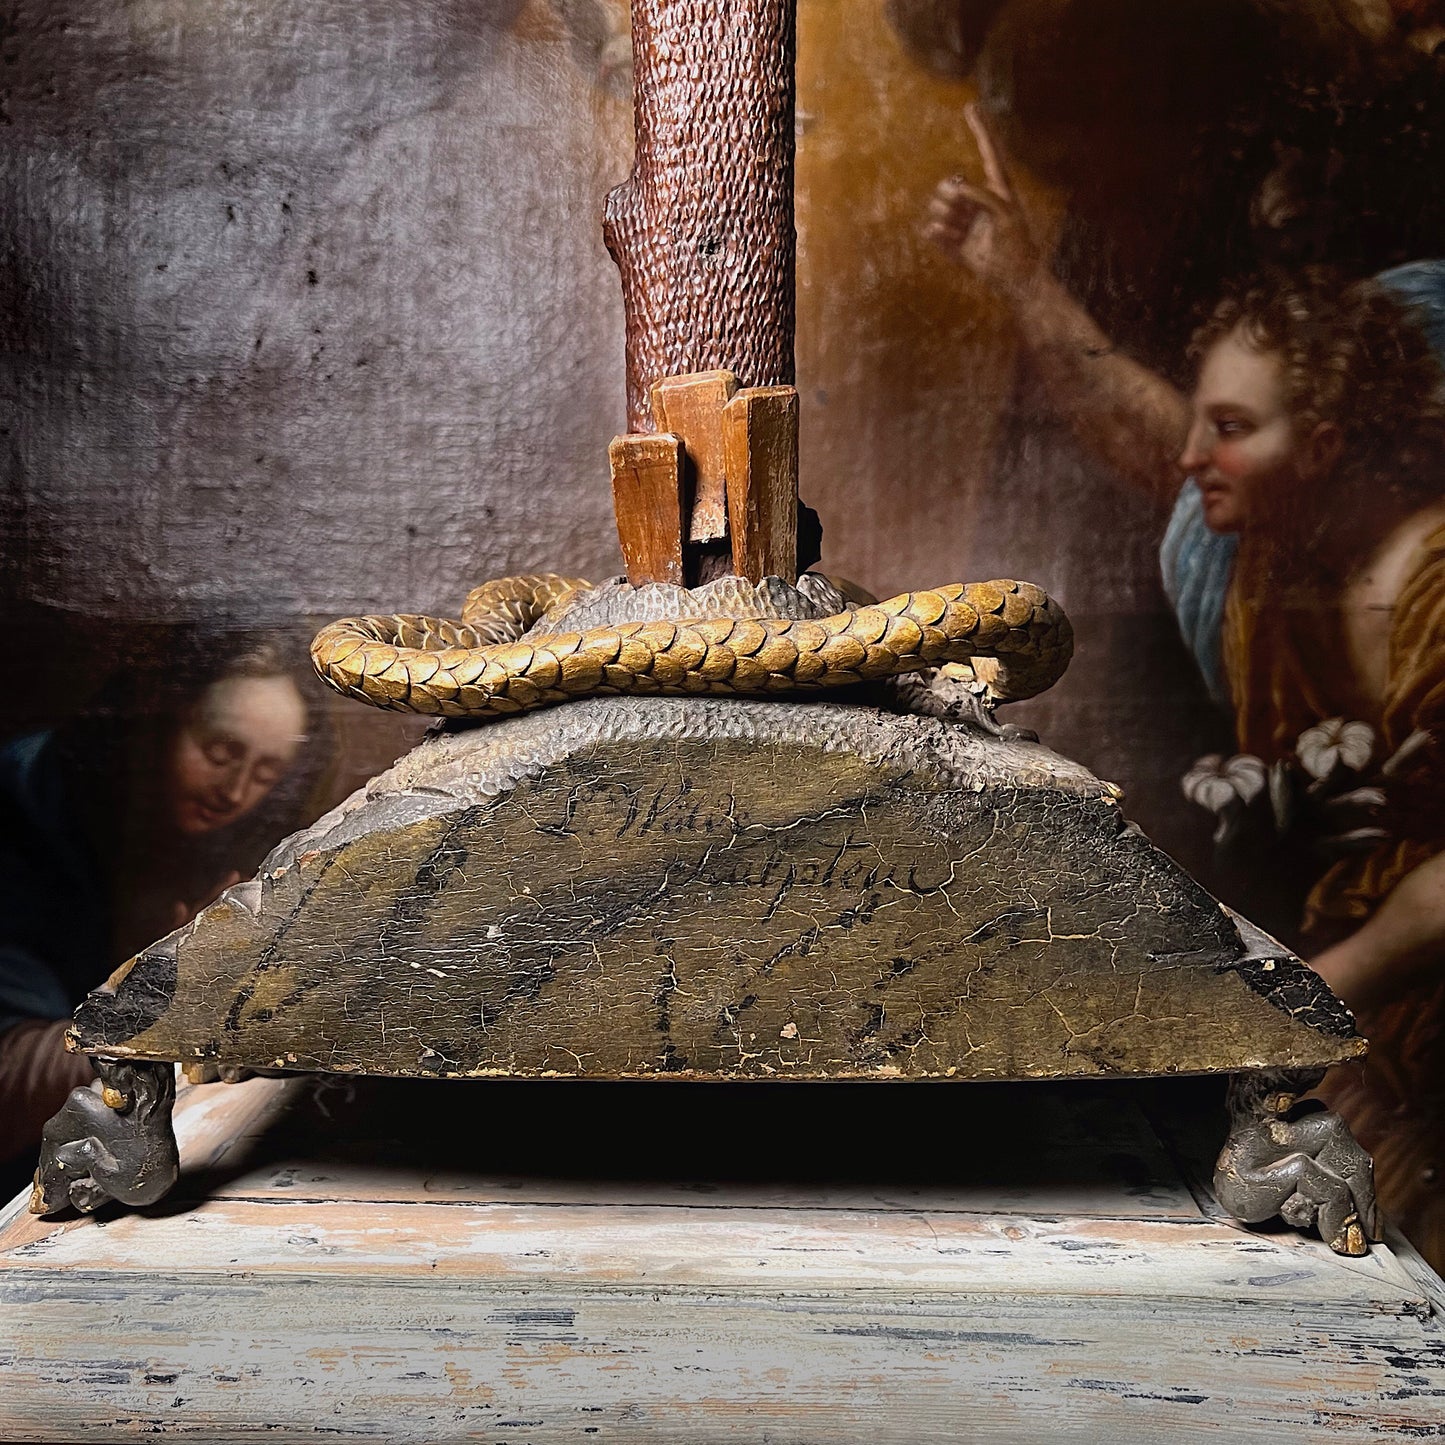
(1017, 637)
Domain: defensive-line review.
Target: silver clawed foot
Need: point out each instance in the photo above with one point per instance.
(116, 1144)
(1297, 1162)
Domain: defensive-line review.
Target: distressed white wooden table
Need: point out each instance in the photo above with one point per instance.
(677, 1263)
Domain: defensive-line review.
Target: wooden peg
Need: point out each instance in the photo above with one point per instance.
(647, 497)
(760, 437)
(690, 407)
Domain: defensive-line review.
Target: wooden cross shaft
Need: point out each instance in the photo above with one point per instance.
(702, 233)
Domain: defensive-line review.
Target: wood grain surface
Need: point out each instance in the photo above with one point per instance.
(691, 407)
(333, 1263)
(649, 500)
(760, 440)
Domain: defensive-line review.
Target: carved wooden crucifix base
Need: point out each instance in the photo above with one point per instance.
(745, 829)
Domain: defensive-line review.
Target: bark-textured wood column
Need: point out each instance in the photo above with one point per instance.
(702, 230)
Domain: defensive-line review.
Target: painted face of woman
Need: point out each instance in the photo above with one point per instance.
(231, 750)
(1243, 443)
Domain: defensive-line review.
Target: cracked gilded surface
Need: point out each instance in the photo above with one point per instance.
(703, 887)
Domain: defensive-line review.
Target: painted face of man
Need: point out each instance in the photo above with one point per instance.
(234, 746)
(1242, 440)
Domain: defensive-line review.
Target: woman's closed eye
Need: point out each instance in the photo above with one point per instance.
(221, 751)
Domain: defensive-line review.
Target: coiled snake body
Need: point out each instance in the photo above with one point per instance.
(481, 667)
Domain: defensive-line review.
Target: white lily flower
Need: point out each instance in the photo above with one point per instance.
(1215, 782)
(1327, 745)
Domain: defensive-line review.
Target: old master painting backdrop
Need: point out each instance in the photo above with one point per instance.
(307, 313)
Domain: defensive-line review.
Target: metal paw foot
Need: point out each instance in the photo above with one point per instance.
(115, 1144)
(1297, 1162)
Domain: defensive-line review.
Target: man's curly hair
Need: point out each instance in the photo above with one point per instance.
(1354, 355)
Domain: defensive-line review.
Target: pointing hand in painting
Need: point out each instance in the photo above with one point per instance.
(984, 227)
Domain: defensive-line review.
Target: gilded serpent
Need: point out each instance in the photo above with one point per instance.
(481, 667)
